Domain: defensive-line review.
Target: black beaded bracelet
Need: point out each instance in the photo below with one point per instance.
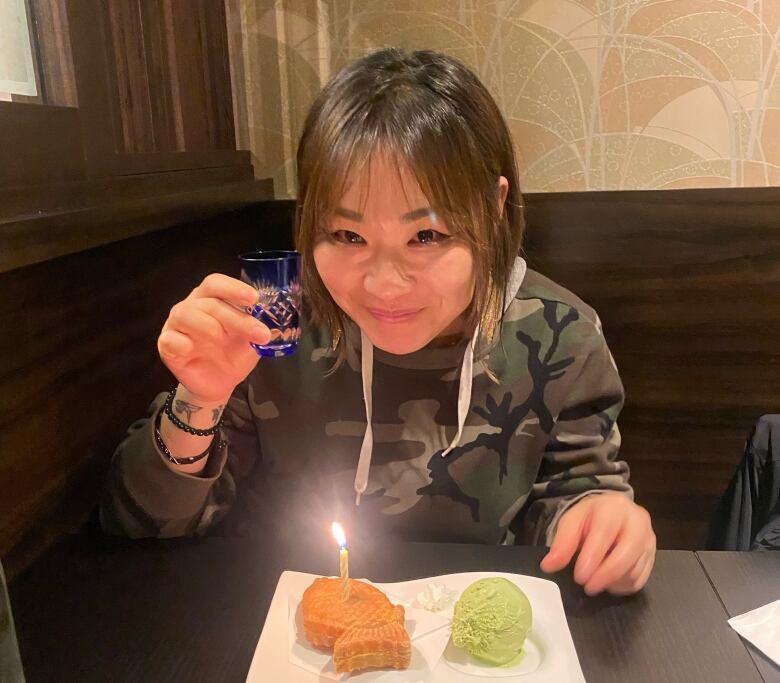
(183, 425)
(181, 461)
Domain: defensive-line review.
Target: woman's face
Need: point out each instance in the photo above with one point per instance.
(391, 264)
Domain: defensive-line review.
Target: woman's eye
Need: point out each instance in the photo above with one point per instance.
(430, 236)
(347, 237)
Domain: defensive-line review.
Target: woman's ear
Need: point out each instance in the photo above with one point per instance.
(503, 190)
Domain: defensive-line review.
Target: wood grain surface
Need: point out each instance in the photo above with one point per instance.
(72, 196)
(45, 236)
(54, 55)
(78, 361)
(194, 609)
(686, 285)
(40, 143)
(743, 582)
(171, 75)
(153, 78)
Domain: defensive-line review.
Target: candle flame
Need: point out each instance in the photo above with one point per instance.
(338, 534)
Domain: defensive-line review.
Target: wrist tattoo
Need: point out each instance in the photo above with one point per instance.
(185, 408)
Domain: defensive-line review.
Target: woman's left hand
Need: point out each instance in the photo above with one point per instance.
(616, 542)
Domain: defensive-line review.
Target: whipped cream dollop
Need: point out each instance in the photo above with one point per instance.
(435, 598)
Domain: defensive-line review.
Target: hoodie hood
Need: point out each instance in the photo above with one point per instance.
(464, 388)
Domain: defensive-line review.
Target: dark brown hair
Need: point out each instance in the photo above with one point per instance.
(432, 114)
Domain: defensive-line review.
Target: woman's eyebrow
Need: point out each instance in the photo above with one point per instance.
(348, 213)
(422, 212)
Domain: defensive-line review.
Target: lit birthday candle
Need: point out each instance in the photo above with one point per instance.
(341, 539)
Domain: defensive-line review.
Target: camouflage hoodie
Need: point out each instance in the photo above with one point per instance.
(534, 432)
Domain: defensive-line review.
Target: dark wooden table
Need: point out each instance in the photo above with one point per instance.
(744, 581)
(192, 610)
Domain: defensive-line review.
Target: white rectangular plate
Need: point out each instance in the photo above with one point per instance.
(550, 654)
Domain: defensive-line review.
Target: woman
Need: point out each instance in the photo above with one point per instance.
(442, 391)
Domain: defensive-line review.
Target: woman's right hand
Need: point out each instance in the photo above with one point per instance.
(205, 340)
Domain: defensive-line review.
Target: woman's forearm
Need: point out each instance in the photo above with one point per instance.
(196, 413)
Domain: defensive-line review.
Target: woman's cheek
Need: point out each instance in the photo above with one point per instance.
(335, 272)
(324, 260)
(454, 271)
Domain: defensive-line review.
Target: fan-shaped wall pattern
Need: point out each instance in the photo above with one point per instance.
(599, 94)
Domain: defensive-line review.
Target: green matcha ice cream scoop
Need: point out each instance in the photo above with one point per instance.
(492, 619)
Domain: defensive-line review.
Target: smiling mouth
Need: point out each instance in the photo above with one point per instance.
(393, 317)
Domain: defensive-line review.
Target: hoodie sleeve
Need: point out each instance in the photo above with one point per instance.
(580, 457)
(145, 497)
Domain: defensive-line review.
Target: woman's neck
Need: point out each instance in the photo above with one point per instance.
(451, 335)
(444, 341)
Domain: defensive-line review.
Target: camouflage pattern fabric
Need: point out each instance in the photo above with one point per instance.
(540, 434)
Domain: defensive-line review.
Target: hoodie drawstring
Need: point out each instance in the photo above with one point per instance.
(464, 390)
(464, 387)
(367, 371)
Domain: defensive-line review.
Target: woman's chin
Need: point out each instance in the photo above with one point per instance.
(398, 344)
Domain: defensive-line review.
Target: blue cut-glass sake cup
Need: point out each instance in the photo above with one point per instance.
(275, 276)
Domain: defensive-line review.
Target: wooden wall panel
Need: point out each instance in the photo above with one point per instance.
(190, 74)
(78, 361)
(98, 109)
(128, 58)
(70, 196)
(39, 144)
(130, 87)
(686, 285)
(53, 48)
(48, 236)
(169, 63)
(216, 60)
(158, 69)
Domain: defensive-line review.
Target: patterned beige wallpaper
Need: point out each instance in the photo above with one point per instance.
(599, 94)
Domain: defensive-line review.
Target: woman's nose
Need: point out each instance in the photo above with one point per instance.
(387, 279)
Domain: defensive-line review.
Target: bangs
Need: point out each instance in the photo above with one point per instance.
(416, 131)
